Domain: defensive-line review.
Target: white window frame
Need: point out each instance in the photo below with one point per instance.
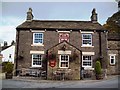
(63, 61)
(112, 55)
(40, 38)
(86, 39)
(33, 61)
(86, 61)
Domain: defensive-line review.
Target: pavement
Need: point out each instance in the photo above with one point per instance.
(2, 75)
(37, 79)
(32, 82)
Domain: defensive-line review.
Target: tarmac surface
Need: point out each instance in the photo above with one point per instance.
(27, 82)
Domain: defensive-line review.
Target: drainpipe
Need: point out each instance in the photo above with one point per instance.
(17, 49)
(100, 47)
(81, 63)
(47, 65)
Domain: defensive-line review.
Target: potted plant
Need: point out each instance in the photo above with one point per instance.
(98, 71)
(9, 70)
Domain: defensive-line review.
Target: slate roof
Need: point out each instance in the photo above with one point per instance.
(5, 47)
(60, 24)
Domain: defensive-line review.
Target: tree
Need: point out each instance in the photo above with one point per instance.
(113, 23)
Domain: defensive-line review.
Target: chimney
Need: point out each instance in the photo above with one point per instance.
(29, 15)
(94, 16)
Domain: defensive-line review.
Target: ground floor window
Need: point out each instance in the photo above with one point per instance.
(64, 61)
(36, 60)
(112, 59)
(86, 61)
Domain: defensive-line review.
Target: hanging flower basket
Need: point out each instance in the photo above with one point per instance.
(52, 56)
(73, 57)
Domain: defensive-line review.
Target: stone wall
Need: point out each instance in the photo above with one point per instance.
(73, 71)
(114, 48)
(51, 38)
(113, 69)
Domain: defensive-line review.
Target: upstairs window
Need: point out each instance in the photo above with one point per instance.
(63, 37)
(112, 59)
(86, 39)
(37, 38)
(36, 60)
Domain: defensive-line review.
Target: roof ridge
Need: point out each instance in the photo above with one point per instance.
(62, 20)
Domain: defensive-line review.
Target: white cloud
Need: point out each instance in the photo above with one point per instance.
(8, 21)
(7, 33)
(8, 28)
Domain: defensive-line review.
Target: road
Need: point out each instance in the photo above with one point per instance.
(14, 83)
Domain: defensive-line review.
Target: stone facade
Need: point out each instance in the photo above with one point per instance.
(114, 49)
(113, 39)
(73, 72)
(25, 47)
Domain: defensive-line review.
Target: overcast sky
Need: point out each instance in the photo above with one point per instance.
(14, 13)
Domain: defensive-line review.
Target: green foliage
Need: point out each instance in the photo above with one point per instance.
(3, 66)
(98, 67)
(9, 67)
(111, 24)
(52, 56)
(73, 57)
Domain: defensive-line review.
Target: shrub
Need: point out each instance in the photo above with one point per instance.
(3, 66)
(9, 67)
(98, 67)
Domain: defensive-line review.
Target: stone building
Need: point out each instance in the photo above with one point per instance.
(59, 46)
(113, 54)
(114, 44)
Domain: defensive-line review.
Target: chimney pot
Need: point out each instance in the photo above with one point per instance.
(94, 16)
(29, 15)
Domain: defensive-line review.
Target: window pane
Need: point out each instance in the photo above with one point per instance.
(87, 39)
(112, 56)
(37, 59)
(87, 36)
(38, 38)
(112, 60)
(87, 60)
(64, 61)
